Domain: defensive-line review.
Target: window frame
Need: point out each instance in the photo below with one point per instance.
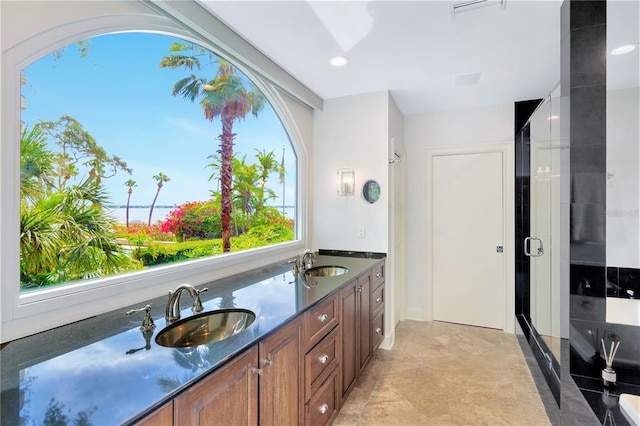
(35, 311)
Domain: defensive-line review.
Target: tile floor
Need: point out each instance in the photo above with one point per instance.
(446, 374)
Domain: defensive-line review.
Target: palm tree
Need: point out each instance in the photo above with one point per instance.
(130, 184)
(161, 178)
(267, 163)
(228, 96)
(65, 233)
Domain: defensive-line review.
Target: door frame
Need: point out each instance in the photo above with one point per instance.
(508, 188)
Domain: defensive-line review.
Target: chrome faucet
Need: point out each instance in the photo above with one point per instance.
(303, 262)
(172, 313)
(306, 259)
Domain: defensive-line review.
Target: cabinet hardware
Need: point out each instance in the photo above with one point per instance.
(378, 274)
(323, 358)
(323, 409)
(359, 289)
(257, 371)
(378, 300)
(267, 362)
(378, 330)
(323, 317)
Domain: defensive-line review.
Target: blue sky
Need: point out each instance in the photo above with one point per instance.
(123, 99)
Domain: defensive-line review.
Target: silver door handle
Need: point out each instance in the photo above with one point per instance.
(540, 250)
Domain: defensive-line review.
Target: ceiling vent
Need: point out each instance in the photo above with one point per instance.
(467, 79)
(464, 7)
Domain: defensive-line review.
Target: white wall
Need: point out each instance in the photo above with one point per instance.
(350, 132)
(473, 126)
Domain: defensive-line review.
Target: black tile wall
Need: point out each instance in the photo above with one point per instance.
(623, 283)
(588, 115)
(583, 79)
(587, 68)
(586, 13)
(588, 280)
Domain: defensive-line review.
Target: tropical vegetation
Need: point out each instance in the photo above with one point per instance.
(67, 231)
(224, 94)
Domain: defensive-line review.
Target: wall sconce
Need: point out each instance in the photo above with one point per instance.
(346, 182)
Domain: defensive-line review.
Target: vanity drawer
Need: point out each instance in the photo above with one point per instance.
(320, 361)
(377, 330)
(323, 407)
(377, 300)
(377, 275)
(320, 320)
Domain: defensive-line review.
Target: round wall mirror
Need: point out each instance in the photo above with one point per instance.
(371, 191)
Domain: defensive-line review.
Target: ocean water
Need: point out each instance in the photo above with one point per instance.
(141, 214)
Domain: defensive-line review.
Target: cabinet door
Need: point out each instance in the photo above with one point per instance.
(281, 382)
(349, 330)
(161, 417)
(364, 320)
(228, 396)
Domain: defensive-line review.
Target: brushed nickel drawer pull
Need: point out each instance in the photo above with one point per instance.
(323, 317)
(378, 274)
(378, 330)
(378, 300)
(323, 358)
(267, 362)
(323, 409)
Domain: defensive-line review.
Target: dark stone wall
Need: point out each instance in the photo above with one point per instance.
(583, 80)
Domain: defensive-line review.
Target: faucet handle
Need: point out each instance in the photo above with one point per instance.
(197, 303)
(147, 322)
(296, 266)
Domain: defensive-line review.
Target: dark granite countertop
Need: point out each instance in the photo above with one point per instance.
(102, 370)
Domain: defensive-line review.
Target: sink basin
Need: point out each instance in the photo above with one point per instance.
(206, 327)
(326, 271)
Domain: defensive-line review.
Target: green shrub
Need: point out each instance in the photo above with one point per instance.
(161, 253)
(199, 220)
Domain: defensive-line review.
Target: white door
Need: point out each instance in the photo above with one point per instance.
(468, 269)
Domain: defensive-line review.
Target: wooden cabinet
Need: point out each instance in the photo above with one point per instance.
(355, 321)
(349, 329)
(363, 292)
(163, 416)
(321, 363)
(281, 379)
(229, 396)
(319, 320)
(301, 374)
(377, 307)
(324, 405)
(362, 324)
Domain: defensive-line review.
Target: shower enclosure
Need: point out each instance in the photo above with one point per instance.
(538, 156)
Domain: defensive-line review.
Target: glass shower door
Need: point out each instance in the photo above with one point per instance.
(542, 245)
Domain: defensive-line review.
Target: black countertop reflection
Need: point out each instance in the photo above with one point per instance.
(105, 371)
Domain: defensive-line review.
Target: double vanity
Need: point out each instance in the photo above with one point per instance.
(281, 348)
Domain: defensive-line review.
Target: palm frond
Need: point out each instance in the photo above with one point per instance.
(180, 61)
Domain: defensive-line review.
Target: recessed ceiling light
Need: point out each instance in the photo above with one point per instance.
(623, 49)
(339, 61)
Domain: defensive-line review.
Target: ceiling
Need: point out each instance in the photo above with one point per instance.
(412, 48)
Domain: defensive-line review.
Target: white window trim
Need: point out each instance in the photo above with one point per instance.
(32, 312)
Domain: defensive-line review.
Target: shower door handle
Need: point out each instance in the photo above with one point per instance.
(540, 250)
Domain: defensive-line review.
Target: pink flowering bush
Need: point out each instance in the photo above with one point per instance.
(194, 220)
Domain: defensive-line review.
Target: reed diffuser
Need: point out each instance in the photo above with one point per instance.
(608, 374)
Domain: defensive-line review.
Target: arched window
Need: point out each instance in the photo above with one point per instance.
(138, 158)
(141, 149)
